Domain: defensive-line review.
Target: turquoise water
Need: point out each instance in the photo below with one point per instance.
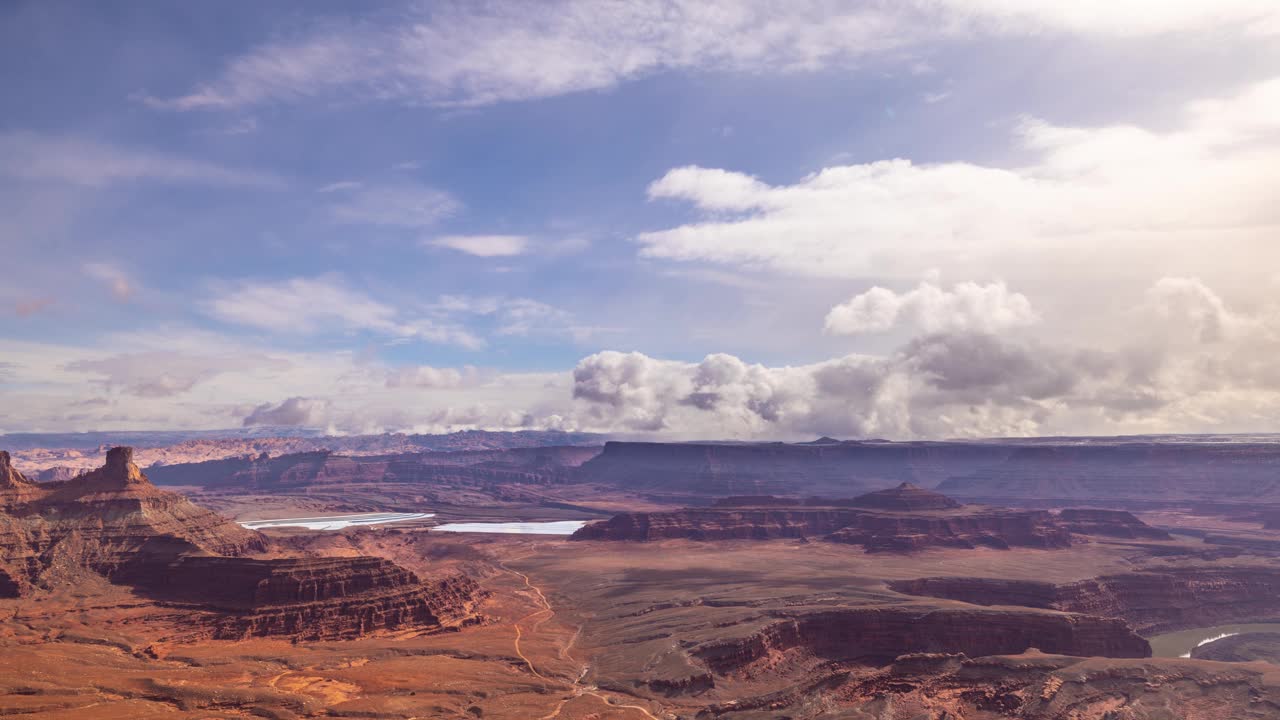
(335, 522)
(558, 527)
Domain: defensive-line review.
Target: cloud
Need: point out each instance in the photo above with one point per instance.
(117, 280)
(469, 54)
(426, 376)
(483, 245)
(36, 156)
(403, 205)
(340, 185)
(987, 308)
(325, 304)
(294, 412)
(164, 374)
(1107, 188)
(1191, 363)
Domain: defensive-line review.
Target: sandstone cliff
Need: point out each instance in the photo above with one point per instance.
(311, 598)
(904, 518)
(1150, 601)
(115, 523)
(879, 634)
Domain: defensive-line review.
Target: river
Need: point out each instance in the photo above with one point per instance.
(1181, 643)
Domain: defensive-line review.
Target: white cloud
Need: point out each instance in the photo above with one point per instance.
(339, 186)
(407, 205)
(36, 156)
(122, 287)
(426, 376)
(325, 304)
(469, 54)
(968, 306)
(483, 245)
(1107, 188)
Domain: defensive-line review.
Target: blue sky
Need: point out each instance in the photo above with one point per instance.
(685, 219)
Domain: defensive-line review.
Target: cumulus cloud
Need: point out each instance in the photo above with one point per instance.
(294, 412)
(968, 306)
(325, 304)
(80, 161)
(482, 245)
(1106, 188)
(1192, 363)
(462, 54)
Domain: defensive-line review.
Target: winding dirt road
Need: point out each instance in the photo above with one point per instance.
(577, 686)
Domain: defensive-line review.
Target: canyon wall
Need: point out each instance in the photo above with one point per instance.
(883, 633)
(1150, 601)
(1137, 473)
(310, 598)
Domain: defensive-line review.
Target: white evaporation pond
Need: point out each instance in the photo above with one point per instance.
(336, 522)
(558, 527)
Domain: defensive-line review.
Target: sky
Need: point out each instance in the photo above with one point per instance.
(683, 220)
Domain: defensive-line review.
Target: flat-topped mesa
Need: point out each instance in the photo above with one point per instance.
(905, 498)
(1112, 523)
(311, 598)
(902, 519)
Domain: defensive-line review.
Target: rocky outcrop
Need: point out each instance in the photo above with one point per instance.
(111, 521)
(1150, 601)
(974, 527)
(877, 635)
(905, 498)
(904, 518)
(115, 523)
(1035, 686)
(311, 598)
(1109, 523)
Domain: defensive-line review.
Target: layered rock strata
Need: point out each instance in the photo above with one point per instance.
(879, 634)
(1150, 601)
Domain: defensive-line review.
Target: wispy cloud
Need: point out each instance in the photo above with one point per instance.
(408, 205)
(36, 156)
(122, 286)
(478, 54)
(313, 306)
(340, 185)
(482, 245)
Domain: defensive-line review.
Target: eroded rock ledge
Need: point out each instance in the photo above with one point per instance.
(113, 522)
(1151, 601)
(901, 519)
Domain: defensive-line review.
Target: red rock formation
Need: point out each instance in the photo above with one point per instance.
(905, 498)
(1150, 601)
(879, 634)
(106, 521)
(311, 598)
(877, 530)
(114, 522)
